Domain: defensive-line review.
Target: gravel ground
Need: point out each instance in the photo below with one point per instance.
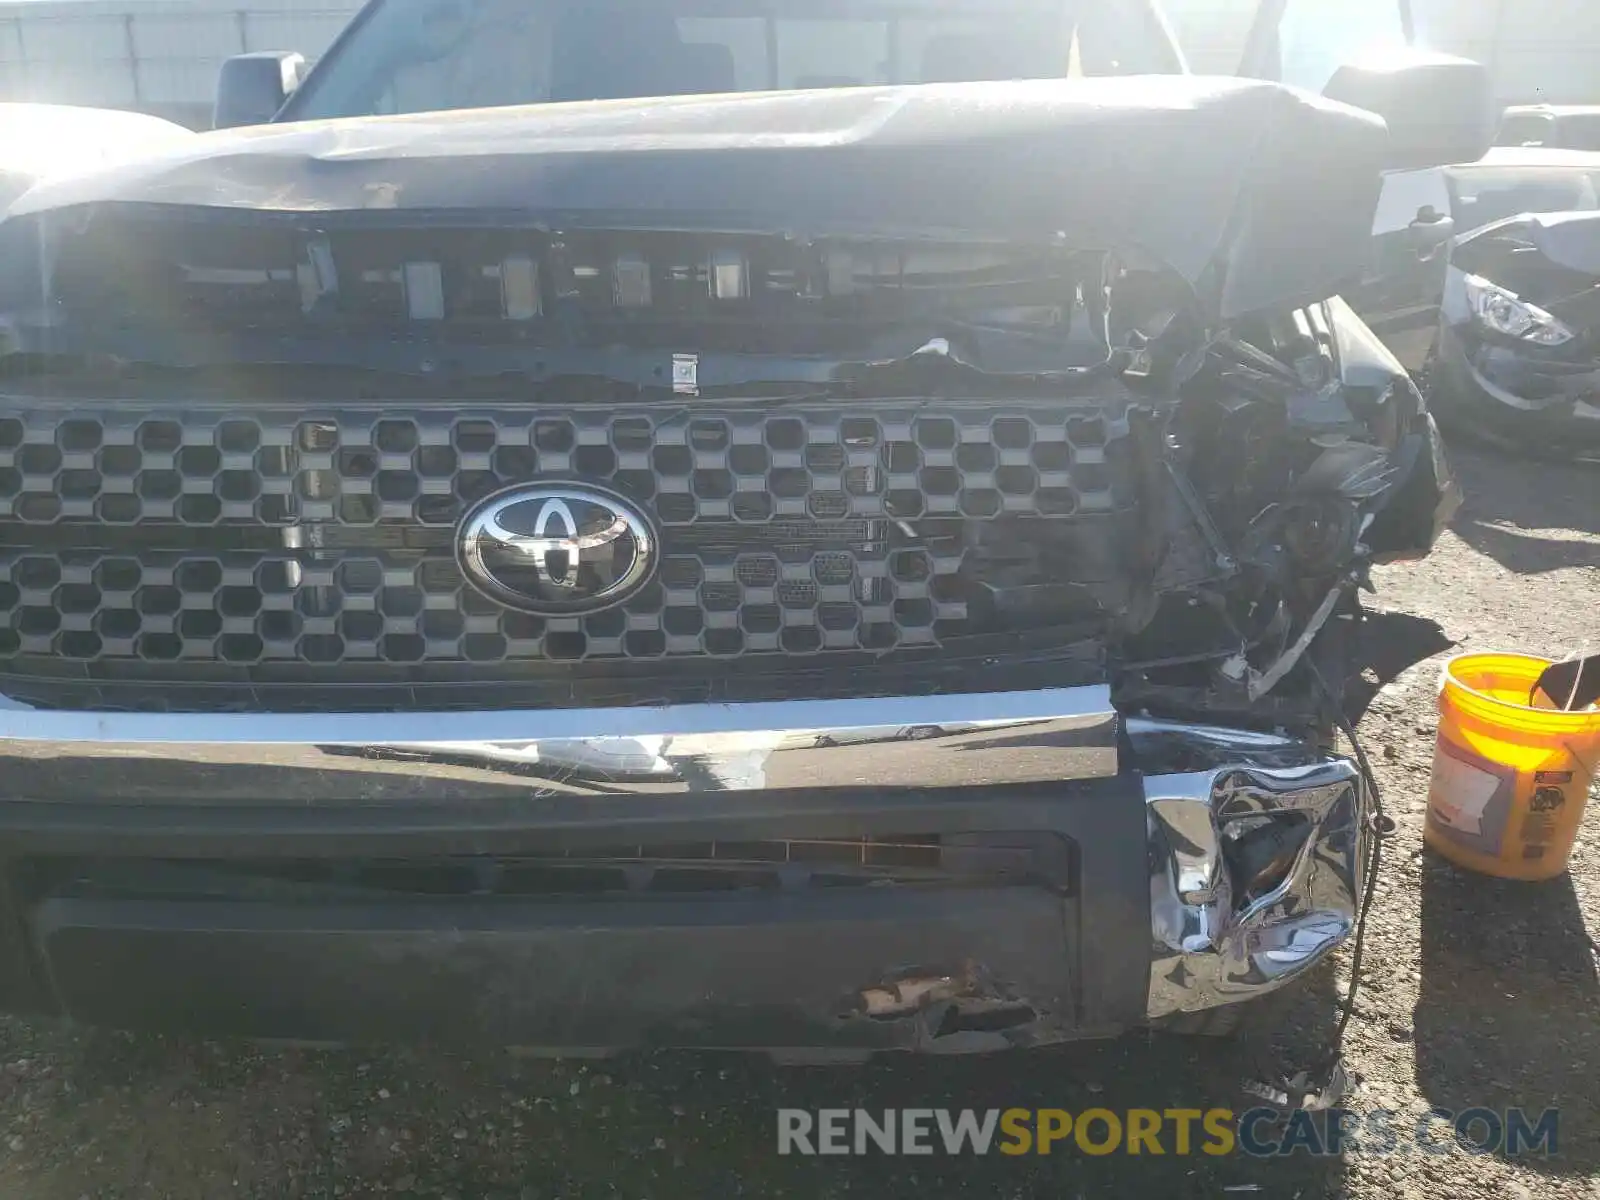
(1475, 993)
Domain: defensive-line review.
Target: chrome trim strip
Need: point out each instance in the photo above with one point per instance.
(966, 740)
(987, 709)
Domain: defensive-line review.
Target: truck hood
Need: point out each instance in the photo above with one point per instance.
(1256, 194)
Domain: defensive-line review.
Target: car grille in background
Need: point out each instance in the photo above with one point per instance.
(277, 537)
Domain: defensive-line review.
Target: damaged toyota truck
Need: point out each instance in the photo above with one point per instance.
(823, 529)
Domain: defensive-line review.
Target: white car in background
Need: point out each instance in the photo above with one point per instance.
(39, 141)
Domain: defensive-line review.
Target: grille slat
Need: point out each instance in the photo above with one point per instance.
(285, 537)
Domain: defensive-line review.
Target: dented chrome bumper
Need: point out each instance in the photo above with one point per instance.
(1258, 854)
(212, 867)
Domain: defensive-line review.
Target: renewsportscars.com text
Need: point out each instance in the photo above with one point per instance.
(1258, 1132)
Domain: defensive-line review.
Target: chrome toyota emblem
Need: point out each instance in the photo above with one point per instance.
(556, 550)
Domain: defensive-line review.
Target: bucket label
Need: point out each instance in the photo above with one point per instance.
(1469, 802)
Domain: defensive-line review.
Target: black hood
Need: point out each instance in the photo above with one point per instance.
(1257, 195)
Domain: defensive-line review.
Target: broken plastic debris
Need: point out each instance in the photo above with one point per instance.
(1262, 683)
(906, 995)
(1305, 1091)
(1354, 470)
(1267, 1092)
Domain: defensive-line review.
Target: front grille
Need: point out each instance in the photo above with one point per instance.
(320, 542)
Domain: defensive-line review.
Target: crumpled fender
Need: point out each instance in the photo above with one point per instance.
(1426, 494)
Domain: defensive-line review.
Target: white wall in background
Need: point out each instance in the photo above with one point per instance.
(157, 55)
(1548, 51)
(163, 55)
(1545, 51)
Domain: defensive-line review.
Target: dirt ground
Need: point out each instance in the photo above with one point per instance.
(1475, 993)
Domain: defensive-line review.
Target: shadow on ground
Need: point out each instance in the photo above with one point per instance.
(1508, 1014)
(1539, 517)
(1391, 644)
(1145, 1071)
(180, 1117)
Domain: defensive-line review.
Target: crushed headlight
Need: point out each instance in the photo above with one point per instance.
(1505, 313)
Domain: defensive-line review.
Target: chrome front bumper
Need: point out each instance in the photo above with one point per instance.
(1053, 761)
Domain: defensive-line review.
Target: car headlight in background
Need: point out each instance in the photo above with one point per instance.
(1504, 313)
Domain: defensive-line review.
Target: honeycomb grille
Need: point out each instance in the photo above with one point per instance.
(212, 536)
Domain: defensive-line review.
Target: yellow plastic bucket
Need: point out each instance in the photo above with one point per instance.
(1510, 781)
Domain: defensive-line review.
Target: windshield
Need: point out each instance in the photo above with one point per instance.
(406, 56)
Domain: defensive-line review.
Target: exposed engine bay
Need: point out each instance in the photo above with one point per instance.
(1275, 476)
